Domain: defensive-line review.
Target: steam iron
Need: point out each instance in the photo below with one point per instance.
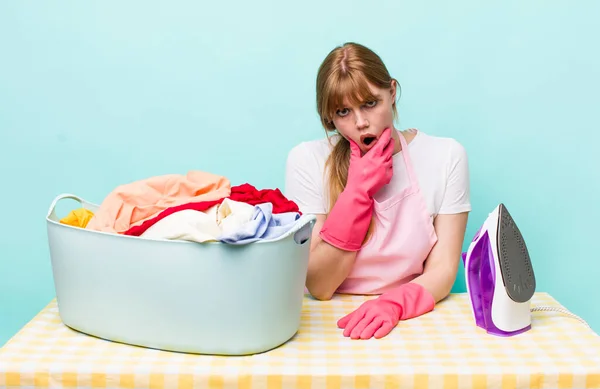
(499, 276)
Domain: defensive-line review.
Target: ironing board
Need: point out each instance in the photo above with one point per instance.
(442, 349)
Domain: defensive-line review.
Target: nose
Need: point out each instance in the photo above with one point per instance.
(361, 121)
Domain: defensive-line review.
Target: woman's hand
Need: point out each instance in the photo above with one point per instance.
(379, 316)
(372, 171)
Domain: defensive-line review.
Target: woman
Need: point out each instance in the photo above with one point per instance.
(391, 205)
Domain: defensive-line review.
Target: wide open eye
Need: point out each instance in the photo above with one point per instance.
(343, 112)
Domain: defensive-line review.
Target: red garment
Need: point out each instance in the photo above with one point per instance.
(246, 193)
(243, 193)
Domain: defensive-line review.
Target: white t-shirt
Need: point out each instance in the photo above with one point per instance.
(440, 164)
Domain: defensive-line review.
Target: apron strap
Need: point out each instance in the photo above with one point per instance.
(407, 161)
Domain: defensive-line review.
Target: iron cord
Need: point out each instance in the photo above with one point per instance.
(561, 310)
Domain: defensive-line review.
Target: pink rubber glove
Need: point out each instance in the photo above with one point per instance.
(347, 224)
(379, 316)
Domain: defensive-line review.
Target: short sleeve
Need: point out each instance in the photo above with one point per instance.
(457, 194)
(304, 180)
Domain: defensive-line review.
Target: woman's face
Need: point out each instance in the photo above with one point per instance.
(364, 124)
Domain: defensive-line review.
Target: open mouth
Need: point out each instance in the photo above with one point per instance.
(367, 139)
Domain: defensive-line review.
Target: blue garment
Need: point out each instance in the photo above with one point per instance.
(264, 225)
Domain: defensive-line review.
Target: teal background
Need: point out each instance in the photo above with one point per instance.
(95, 94)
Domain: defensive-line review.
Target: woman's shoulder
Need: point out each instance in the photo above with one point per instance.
(445, 147)
(304, 175)
(443, 169)
(436, 140)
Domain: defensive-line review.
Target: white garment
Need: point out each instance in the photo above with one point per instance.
(188, 224)
(233, 214)
(440, 164)
(202, 226)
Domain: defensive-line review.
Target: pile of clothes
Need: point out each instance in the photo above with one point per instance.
(198, 207)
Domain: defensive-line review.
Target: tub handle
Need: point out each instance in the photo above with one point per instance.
(63, 196)
(303, 229)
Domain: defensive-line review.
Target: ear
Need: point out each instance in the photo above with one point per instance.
(393, 89)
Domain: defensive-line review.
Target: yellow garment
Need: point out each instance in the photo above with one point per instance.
(78, 218)
(131, 204)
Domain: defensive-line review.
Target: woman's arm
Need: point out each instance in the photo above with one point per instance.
(418, 296)
(442, 263)
(338, 236)
(342, 233)
(328, 266)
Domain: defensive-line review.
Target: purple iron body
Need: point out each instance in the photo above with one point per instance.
(499, 276)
